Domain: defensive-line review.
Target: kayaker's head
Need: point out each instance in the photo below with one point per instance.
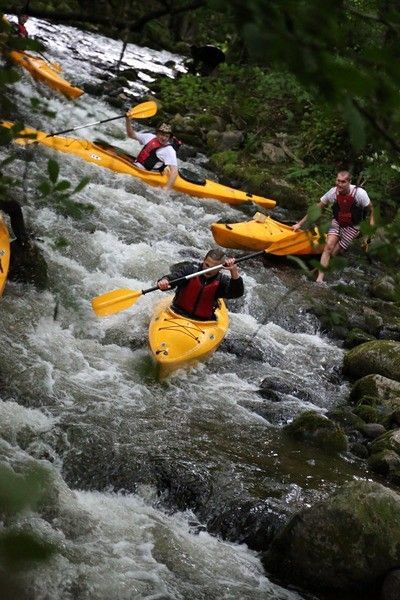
(214, 257)
(164, 133)
(22, 19)
(343, 179)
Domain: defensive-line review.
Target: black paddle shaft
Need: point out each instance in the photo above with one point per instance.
(87, 125)
(237, 260)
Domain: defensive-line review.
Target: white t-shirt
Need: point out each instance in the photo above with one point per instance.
(166, 154)
(361, 196)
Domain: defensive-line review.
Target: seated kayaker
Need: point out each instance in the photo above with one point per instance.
(20, 28)
(197, 297)
(157, 153)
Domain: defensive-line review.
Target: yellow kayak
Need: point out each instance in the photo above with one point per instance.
(263, 233)
(46, 72)
(4, 254)
(176, 341)
(111, 158)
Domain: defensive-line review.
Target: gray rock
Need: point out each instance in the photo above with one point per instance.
(345, 543)
(385, 390)
(384, 288)
(381, 357)
(372, 430)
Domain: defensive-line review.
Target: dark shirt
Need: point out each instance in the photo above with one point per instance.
(228, 288)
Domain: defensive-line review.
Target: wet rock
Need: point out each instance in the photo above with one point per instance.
(345, 417)
(28, 265)
(382, 388)
(336, 547)
(380, 357)
(384, 288)
(242, 348)
(252, 523)
(367, 413)
(386, 463)
(359, 450)
(314, 428)
(130, 74)
(372, 430)
(270, 385)
(390, 332)
(357, 336)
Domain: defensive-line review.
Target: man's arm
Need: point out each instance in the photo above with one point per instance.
(369, 209)
(297, 225)
(232, 287)
(179, 270)
(130, 132)
(173, 174)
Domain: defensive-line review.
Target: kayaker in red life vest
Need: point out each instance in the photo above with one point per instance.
(197, 298)
(350, 205)
(157, 152)
(20, 26)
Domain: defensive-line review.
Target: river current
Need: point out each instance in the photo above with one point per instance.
(79, 396)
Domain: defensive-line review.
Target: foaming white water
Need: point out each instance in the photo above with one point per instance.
(132, 550)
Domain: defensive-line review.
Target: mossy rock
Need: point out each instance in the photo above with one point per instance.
(380, 357)
(386, 463)
(342, 545)
(376, 389)
(387, 441)
(314, 428)
(367, 413)
(357, 336)
(345, 417)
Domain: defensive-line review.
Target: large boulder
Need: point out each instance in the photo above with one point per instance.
(346, 543)
(381, 357)
(316, 429)
(386, 391)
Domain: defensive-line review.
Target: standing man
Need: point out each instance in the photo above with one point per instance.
(197, 298)
(350, 205)
(157, 153)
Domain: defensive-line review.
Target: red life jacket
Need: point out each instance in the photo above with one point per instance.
(198, 298)
(345, 209)
(147, 156)
(22, 31)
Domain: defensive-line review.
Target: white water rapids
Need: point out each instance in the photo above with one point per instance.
(78, 392)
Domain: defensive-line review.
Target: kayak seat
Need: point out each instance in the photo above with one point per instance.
(192, 177)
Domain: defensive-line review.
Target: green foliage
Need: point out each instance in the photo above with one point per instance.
(58, 191)
(272, 99)
(346, 57)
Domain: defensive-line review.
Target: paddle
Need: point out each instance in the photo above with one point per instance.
(117, 300)
(140, 111)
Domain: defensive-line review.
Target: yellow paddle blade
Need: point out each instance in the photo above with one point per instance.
(143, 110)
(115, 301)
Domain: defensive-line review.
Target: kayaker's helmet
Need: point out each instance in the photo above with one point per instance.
(23, 18)
(165, 128)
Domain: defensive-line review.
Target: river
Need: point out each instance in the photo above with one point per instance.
(144, 472)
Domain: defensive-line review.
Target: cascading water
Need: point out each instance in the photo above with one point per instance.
(138, 467)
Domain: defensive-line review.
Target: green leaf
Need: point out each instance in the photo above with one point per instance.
(83, 183)
(53, 170)
(62, 186)
(45, 188)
